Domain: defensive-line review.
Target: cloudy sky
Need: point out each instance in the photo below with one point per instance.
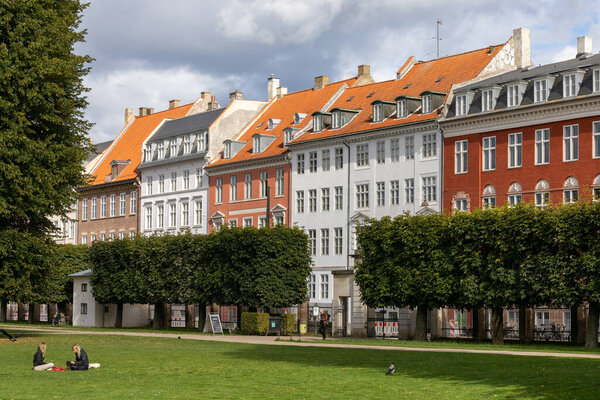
(150, 51)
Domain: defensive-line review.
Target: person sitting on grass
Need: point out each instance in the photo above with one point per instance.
(55, 319)
(81, 362)
(38, 359)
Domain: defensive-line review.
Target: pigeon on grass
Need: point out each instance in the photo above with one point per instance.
(391, 369)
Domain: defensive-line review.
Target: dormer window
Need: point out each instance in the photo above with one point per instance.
(512, 94)
(596, 75)
(336, 119)
(272, 123)
(187, 147)
(173, 148)
(202, 141)
(569, 85)
(256, 144)
(426, 104)
(161, 150)
(227, 152)
(260, 142)
(377, 113)
(298, 117)
(318, 123)
(148, 153)
(288, 135)
(461, 105)
(401, 109)
(487, 100)
(540, 91)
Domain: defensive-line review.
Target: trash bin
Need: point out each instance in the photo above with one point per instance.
(275, 325)
(303, 329)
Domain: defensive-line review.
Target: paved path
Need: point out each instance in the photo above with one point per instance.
(308, 342)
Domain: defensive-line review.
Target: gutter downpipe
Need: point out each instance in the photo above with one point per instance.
(441, 168)
(348, 211)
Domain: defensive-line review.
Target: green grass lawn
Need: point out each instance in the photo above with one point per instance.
(162, 368)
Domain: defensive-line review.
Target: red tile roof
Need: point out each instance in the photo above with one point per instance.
(128, 145)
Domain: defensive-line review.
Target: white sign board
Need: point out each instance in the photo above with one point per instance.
(215, 323)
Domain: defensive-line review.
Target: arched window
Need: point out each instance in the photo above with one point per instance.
(542, 194)
(489, 197)
(571, 190)
(514, 193)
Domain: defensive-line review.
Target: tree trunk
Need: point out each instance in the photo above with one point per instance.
(591, 337)
(525, 324)
(239, 317)
(2, 311)
(159, 316)
(201, 317)
(497, 326)
(119, 316)
(574, 327)
(479, 331)
(30, 315)
(21, 312)
(421, 324)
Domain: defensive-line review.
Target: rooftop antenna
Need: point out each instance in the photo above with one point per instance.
(437, 39)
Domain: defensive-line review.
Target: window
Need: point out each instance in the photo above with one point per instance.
(395, 192)
(256, 144)
(84, 287)
(429, 145)
(325, 199)
(233, 223)
(514, 194)
(542, 146)
(161, 150)
(380, 194)
(312, 161)
(160, 216)
(132, 202)
(489, 153)
(461, 205)
(94, 211)
(461, 105)
(461, 156)
(596, 80)
(409, 148)
(202, 141)
(72, 230)
(401, 109)
(83, 308)
(300, 201)
(512, 96)
(198, 177)
(429, 189)
(121, 235)
(571, 190)
(148, 217)
(262, 222)
(173, 181)
(540, 91)
(409, 191)
(198, 212)
(378, 112)
(380, 152)
(111, 237)
(312, 200)
(186, 145)
(569, 85)
(325, 242)
(489, 197)
(113, 205)
(161, 183)
(362, 154)
(570, 142)
(318, 123)
(542, 195)
(248, 185)
(339, 198)
(324, 286)
(264, 183)
(312, 286)
(217, 225)
(185, 214)
(248, 221)
(300, 163)
(149, 185)
(312, 241)
(542, 320)
(219, 191)
(102, 206)
(487, 100)
(325, 160)
(122, 202)
(233, 188)
(279, 220)
(186, 180)
(173, 148)
(338, 240)
(84, 239)
(336, 120)
(172, 215)
(362, 195)
(394, 150)
(92, 238)
(596, 133)
(339, 158)
(515, 151)
(426, 102)
(84, 209)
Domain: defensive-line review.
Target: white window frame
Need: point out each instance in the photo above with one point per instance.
(409, 148)
(218, 190)
(395, 150)
(336, 119)
(312, 162)
(102, 206)
(84, 209)
(339, 197)
(161, 183)
(312, 200)
(279, 182)
(596, 138)
(401, 108)
(247, 221)
(362, 154)
(264, 183)
(173, 181)
(148, 218)
(324, 292)
(409, 191)
(122, 203)
(570, 85)
(540, 90)
(461, 204)
(378, 112)
(325, 241)
(185, 213)
(338, 240)
(380, 151)
(317, 123)
(461, 156)
(172, 215)
(461, 105)
(512, 96)
(113, 205)
(339, 157)
(300, 163)
(380, 193)
(300, 201)
(426, 104)
(248, 186)
(429, 145)
(515, 150)
(542, 146)
(325, 199)
(133, 202)
(160, 217)
(94, 213)
(570, 143)
(487, 100)
(198, 212)
(362, 195)
(186, 180)
(596, 80)
(325, 160)
(429, 189)
(394, 192)
(488, 149)
(233, 188)
(312, 241)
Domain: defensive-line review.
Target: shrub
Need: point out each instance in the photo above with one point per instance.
(255, 323)
(289, 324)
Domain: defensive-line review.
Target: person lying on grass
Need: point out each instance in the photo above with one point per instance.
(38, 359)
(81, 362)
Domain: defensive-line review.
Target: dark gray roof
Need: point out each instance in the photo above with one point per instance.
(180, 126)
(87, 272)
(100, 147)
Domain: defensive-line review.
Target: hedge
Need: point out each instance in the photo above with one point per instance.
(254, 323)
(289, 324)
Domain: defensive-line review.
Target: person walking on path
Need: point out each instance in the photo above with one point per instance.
(81, 362)
(323, 322)
(38, 359)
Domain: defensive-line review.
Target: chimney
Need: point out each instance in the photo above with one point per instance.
(321, 81)
(174, 103)
(205, 96)
(522, 47)
(584, 45)
(272, 85)
(364, 75)
(146, 111)
(128, 115)
(281, 91)
(213, 105)
(237, 95)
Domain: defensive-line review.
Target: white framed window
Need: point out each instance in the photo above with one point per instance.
(185, 213)
(324, 286)
(380, 152)
(133, 203)
(233, 223)
(409, 191)
(489, 153)
(198, 177)
(426, 104)
(198, 212)
(512, 96)
(489, 197)
(540, 91)
(312, 241)
(113, 205)
(300, 163)
(187, 147)
(84, 209)
(395, 150)
(279, 182)
(84, 239)
(173, 181)
(542, 146)
(429, 145)
(218, 190)
(94, 208)
(102, 206)
(542, 199)
(338, 240)
(148, 217)
(515, 150)
(312, 200)
(92, 238)
(394, 192)
(401, 108)
(362, 154)
(487, 100)
(186, 180)
(409, 147)
(122, 203)
(339, 197)
(461, 156)
(596, 141)
(325, 160)
(515, 194)
(84, 308)
(461, 105)
(461, 205)
(318, 123)
(72, 229)
(312, 161)
(300, 201)
(256, 144)
(325, 199)
(173, 148)
(121, 235)
(325, 242)
(378, 112)
(161, 150)
(429, 184)
(336, 120)
(262, 222)
(380, 194)
(247, 221)
(596, 79)
(570, 142)
(264, 183)
(569, 85)
(161, 183)
(362, 195)
(312, 286)
(339, 157)
(248, 186)
(172, 215)
(571, 190)
(160, 217)
(233, 188)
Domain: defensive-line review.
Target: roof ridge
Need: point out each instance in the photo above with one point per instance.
(461, 54)
(163, 111)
